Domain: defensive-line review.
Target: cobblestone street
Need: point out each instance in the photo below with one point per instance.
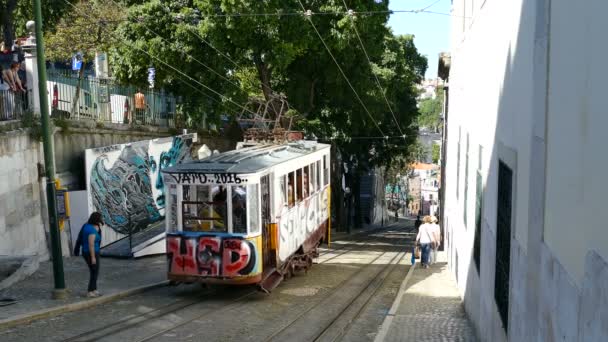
(428, 308)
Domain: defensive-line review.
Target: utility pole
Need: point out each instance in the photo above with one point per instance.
(60, 291)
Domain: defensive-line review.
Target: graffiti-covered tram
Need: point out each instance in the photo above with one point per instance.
(249, 216)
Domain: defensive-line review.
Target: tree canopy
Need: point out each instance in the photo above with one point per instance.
(217, 57)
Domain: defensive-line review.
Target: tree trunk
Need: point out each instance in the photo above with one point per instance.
(356, 181)
(6, 21)
(78, 86)
(264, 74)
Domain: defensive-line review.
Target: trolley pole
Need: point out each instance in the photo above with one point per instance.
(60, 291)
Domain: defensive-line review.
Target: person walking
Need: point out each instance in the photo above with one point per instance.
(140, 106)
(426, 239)
(418, 222)
(90, 240)
(437, 237)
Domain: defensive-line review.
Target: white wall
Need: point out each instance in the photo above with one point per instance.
(575, 221)
(490, 101)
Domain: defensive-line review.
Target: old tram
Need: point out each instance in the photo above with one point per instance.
(253, 215)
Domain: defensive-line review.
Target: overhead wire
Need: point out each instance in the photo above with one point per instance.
(341, 71)
(373, 73)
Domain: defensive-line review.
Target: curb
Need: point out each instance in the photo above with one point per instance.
(46, 313)
(388, 320)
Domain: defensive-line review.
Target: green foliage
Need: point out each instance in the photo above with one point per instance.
(29, 120)
(430, 111)
(269, 55)
(63, 124)
(435, 153)
(87, 28)
(417, 152)
(20, 12)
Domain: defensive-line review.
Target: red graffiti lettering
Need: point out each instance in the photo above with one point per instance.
(236, 257)
(181, 263)
(208, 256)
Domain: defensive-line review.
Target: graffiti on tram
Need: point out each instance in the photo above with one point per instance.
(211, 256)
(298, 223)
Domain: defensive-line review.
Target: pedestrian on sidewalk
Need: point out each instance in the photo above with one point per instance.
(418, 222)
(426, 239)
(90, 239)
(437, 237)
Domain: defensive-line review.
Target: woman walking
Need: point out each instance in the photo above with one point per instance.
(90, 238)
(426, 238)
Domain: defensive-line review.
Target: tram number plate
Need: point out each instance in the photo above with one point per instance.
(200, 178)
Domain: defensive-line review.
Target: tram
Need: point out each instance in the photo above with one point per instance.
(254, 215)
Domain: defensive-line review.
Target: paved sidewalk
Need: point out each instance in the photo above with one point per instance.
(427, 308)
(117, 277)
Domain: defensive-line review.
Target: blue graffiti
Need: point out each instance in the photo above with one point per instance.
(179, 152)
(123, 194)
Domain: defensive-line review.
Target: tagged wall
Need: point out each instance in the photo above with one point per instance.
(124, 182)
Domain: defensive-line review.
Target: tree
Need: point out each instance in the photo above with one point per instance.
(430, 111)
(267, 55)
(87, 29)
(435, 152)
(15, 13)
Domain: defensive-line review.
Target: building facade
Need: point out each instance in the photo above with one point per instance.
(530, 265)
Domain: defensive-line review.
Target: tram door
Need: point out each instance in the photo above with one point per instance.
(268, 253)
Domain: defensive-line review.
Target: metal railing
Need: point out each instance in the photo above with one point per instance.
(13, 105)
(105, 101)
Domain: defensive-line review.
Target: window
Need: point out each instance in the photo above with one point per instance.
(313, 178)
(318, 171)
(299, 184)
(254, 208)
(283, 187)
(239, 209)
(204, 208)
(291, 189)
(503, 242)
(478, 207)
(306, 181)
(325, 170)
(466, 183)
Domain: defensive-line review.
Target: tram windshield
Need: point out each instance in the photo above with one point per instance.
(206, 208)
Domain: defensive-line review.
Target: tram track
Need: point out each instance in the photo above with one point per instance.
(335, 327)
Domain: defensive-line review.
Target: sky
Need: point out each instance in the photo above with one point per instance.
(431, 31)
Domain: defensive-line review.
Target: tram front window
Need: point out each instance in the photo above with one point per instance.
(204, 208)
(239, 209)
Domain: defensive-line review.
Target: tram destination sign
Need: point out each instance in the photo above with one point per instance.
(214, 178)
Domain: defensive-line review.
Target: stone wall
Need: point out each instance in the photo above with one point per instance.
(21, 188)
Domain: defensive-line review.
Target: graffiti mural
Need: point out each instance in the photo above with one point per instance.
(211, 256)
(298, 223)
(125, 182)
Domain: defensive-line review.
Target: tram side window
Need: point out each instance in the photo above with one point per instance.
(239, 209)
(318, 171)
(313, 178)
(254, 208)
(283, 186)
(291, 189)
(325, 170)
(306, 186)
(299, 184)
(204, 208)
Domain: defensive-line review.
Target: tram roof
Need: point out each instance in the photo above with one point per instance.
(249, 159)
